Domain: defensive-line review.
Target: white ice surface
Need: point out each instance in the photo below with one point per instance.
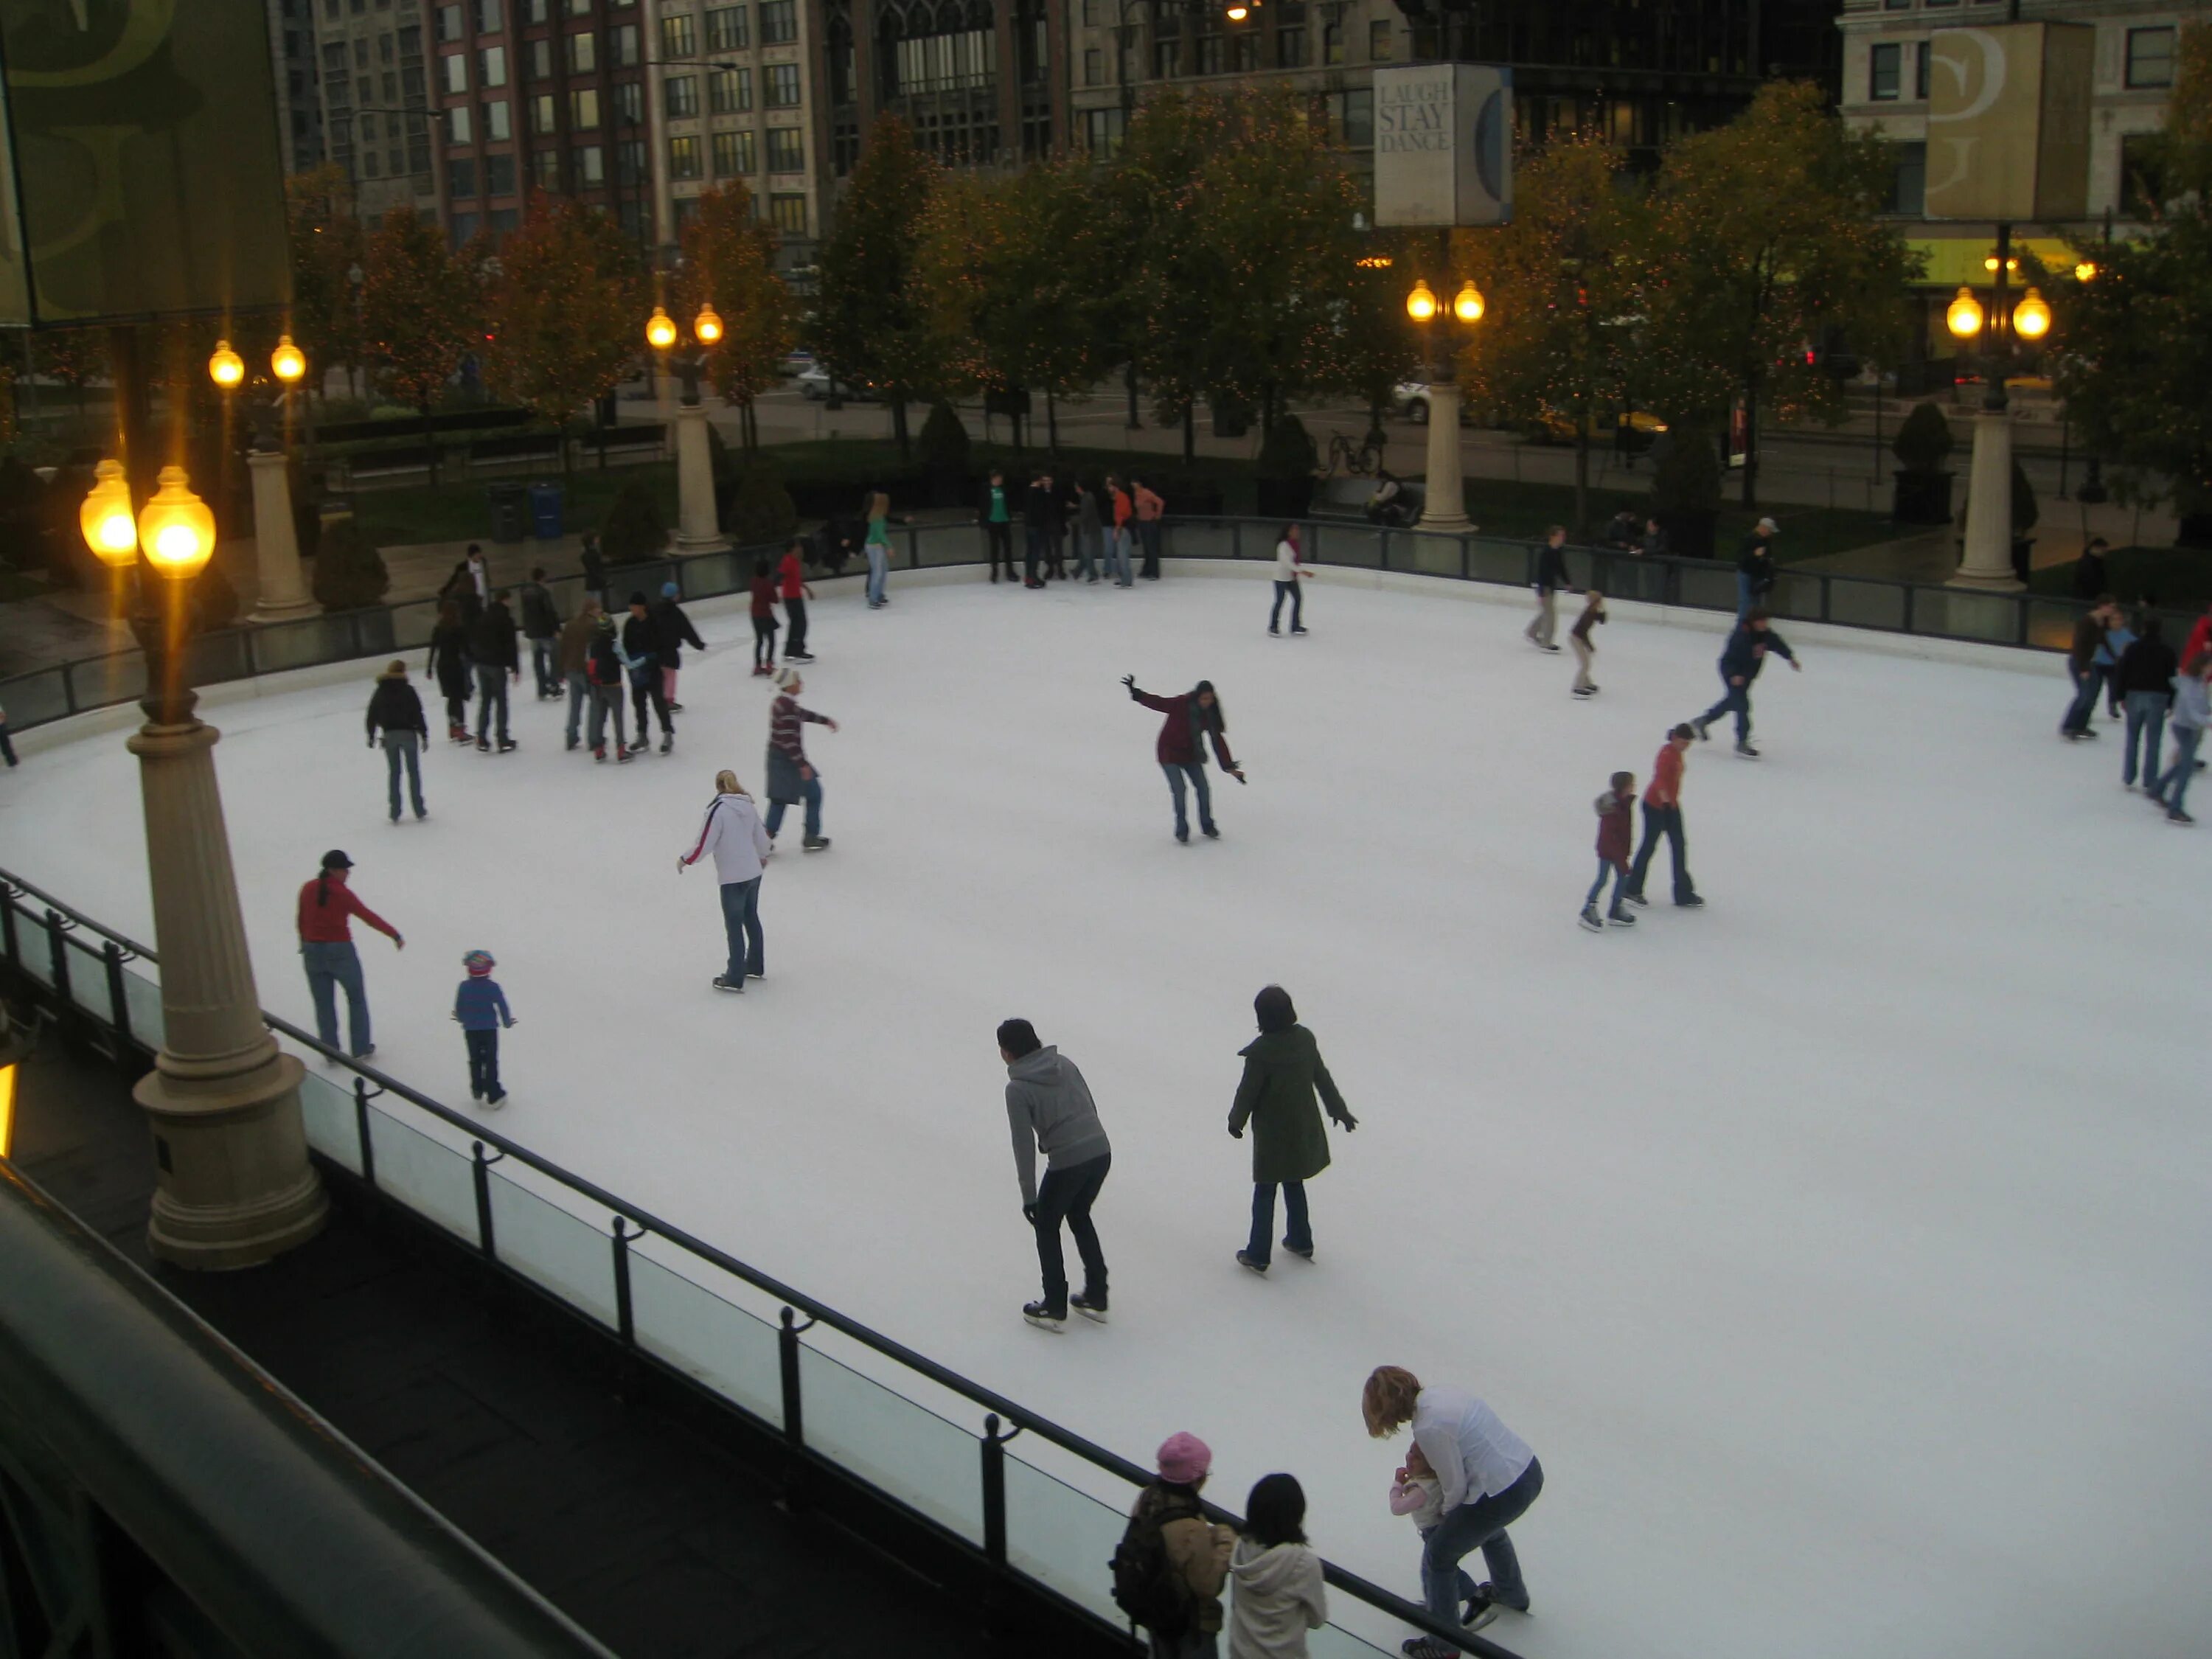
(1842, 1248)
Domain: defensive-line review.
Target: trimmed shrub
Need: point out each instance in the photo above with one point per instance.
(350, 571)
(1288, 451)
(1924, 442)
(1686, 476)
(943, 446)
(758, 507)
(632, 531)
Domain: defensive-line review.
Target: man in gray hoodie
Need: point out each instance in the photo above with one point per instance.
(1048, 1110)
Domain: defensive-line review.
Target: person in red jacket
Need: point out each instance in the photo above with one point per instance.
(1662, 815)
(1192, 719)
(791, 578)
(1613, 809)
(327, 908)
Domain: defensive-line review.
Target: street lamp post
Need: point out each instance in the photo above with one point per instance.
(284, 596)
(232, 1184)
(698, 526)
(1986, 559)
(1444, 506)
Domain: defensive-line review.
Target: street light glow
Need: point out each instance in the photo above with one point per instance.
(288, 362)
(109, 529)
(1964, 319)
(2086, 271)
(659, 329)
(1239, 12)
(1466, 304)
(2031, 317)
(1421, 303)
(225, 368)
(707, 326)
(176, 528)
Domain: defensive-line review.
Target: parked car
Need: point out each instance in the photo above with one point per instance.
(1409, 399)
(1553, 426)
(814, 384)
(795, 362)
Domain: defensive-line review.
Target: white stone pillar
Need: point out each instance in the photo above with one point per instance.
(1445, 505)
(233, 1185)
(697, 529)
(284, 594)
(1987, 562)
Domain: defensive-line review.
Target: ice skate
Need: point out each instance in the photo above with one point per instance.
(1091, 1307)
(1637, 900)
(1584, 690)
(483, 745)
(724, 983)
(1689, 902)
(814, 844)
(1698, 726)
(506, 746)
(1590, 919)
(1744, 750)
(1043, 1317)
(1250, 1262)
(1619, 918)
(667, 741)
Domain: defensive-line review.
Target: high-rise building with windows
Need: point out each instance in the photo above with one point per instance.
(292, 59)
(374, 101)
(981, 82)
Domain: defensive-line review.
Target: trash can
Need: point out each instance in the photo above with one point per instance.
(510, 511)
(546, 512)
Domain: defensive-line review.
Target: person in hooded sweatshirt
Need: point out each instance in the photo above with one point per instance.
(1282, 1069)
(1277, 1595)
(732, 833)
(1192, 718)
(1048, 1109)
(394, 710)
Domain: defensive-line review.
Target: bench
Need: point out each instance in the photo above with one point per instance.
(629, 440)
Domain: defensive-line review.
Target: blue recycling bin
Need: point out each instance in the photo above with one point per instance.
(546, 512)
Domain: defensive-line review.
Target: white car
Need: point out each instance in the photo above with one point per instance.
(814, 384)
(1410, 399)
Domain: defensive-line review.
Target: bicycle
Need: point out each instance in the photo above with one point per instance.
(1362, 460)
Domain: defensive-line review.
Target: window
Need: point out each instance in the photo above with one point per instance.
(460, 176)
(680, 37)
(1355, 119)
(1908, 186)
(488, 16)
(730, 92)
(1940, 3)
(491, 67)
(542, 113)
(536, 11)
(368, 128)
(725, 29)
(460, 127)
(385, 54)
(687, 210)
(411, 40)
(368, 164)
(786, 152)
(497, 129)
(1091, 14)
(583, 52)
(541, 60)
(683, 156)
(1381, 42)
(1101, 130)
(1094, 67)
(779, 21)
(391, 87)
(736, 154)
(682, 94)
(1897, 5)
(334, 58)
(1883, 69)
(449, 23)
(1920, 70)
(782, 86)
(1289, 47)
(583, 109)
(545, 171)
(499, 174)
(622, 44)
(411, 85)
(788, 214)
(360, 54)
(629, 103)
(464, 228)
(580, 8)
(630, 162)
(590, 164)
(456, 72)
(2150, 57)
(1331, 43)
(418, 161)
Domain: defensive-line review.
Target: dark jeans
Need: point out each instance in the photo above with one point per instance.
(1148, 533)
(795, 645)
(2146, 727)
(2085, 698)
(810, 791)
(1196, 773)
(543, 664)
(483, 1064)
(457, 700)
(1287, 591)
(1479, 1525)
(404, 748)
(645, 692)
(1735, 699)
(741, 920)
(764, 641)
(1186, 1645)
(998, 547)
(580, 693)
(2172, 786)
(328, 967)
(1663, 821)
(1067, 1195)
(491, 694)
(1297, 1230)
(1619, 874)
(607, 699)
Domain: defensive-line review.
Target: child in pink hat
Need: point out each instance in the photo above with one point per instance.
(1172, 1561)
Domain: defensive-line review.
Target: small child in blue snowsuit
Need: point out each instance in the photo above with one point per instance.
(481, 1007)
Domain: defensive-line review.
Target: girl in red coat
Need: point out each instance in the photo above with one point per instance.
(1193, 719)
(1613, 808)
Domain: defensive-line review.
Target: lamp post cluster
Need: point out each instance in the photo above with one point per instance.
(698, 524)
(1444, 506)
(284, 594)
(1986, 559)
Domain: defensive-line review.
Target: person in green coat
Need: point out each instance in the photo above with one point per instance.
(1282, 1069)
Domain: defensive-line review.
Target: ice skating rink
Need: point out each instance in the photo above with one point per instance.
(1844, 1248)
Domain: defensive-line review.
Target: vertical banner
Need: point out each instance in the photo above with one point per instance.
(1444, 145)
(2009, 122)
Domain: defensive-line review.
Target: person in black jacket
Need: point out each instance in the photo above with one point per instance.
(595, 571)
(2089, 577)
(491, 646)
(1740, 661)
(1754, 568)
(394, 710)
(603, 670)
(1551, 575)
(2145, 680)
(448, 659)
(1038, 512)
(675, 632)
(541, 626)
(641, 649)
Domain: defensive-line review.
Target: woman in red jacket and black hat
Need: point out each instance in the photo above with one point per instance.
(326, 907)
(1193, 720)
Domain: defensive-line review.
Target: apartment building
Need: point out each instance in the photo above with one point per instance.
(299, 110)
(375, 106)
(981, 82)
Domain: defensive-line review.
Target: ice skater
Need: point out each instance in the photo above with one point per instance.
(1150, 508)
(1486, 1479)
(1613, 808)
(1742, 657)
(1049, 1110)
(1171, 1562)
(763, 592)
(1124, 511)
(481, 1007)
(1283, 1069)
(499, 665)
(1754, 568)
(1089, 535)
(733, 834)
(2082, 668)
(448, 661)
(1662, 816)
(576, 665)
(395, 710)
(326, 907)
(604, 669)
(675, 632)
(1585, 647)
(791, 579)
(995, 514)
(1551, 575)
(791, 777)
(1290, 569)
(1193, 719)
(2144, 680)
(1278, 1594)
(877, 549)
(640, 655)
(2170, 787)
(541, 626)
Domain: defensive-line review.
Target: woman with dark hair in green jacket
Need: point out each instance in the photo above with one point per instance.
(1282, 1071)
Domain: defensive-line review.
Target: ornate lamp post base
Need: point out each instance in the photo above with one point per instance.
(1987, 561)
(698, 527)
(284, 595)
(1444, 508)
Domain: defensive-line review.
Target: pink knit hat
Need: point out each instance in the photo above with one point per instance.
(1184, 1459)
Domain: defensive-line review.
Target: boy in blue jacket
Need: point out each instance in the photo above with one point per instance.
(481, 1007)
(1745, 655)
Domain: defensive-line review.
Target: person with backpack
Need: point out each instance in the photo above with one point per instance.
(394, 710)
(1278, 1594)
(603, 668)
(541, 626)
(1171, 1562)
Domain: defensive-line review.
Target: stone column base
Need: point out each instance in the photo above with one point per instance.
(1444, 506)
(1986, 562)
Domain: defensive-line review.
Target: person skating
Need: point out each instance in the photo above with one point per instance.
(1089, 535)
(1277, 1594)
(1486, 1476)
(541, 626)
(1149, 510)
(2144, 679)
(605, 669)
(1613, 809)
(1585, 647)
(994, 512)
(481, 1007)
(1662, 816)
(448, 661)
(1037, 512)
(1741, 659)
(1754, 568)
(733, 834)
(1171, 1562)
(2171, 788)
(1290, 569)
(2117, 638)
(595, 570)
(396, 712)
(1551, 575)
(762, 591)
(326, 907)
(2081, 668)
(1283, 1069)
(1193, 719)
(675, 632)
(641, 651)
(791, 777)
(574, 661)
(492, 648)
(1049, 1110)
(1124, 511)
(877, 549)
(790, 582)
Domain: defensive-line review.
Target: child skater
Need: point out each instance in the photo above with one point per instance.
(481, 1007)
(1614, 809)
(1586, 647)
(765, 623)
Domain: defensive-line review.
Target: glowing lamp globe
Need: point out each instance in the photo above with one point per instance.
(1421, 303)
(176, 528)
(659, 329)
(225, 368)
(288, 362)
(2086, 271)
(1468, 304)
(110, 531)
(1963, 318)
(1238, 12)
(707, 326)
(2031, 317)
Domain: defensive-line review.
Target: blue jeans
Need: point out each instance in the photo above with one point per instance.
(1118, 561)
(2085, 697)
(1176, 772)
(483, 1064)
(491, 693)
(1736, 698)
(2146, 721)
(1086, 546)
(543, 664)
(810, 791)
(404, 748)
(1287, 591)
(741, 920)
(2173, 786)
(1744, 597)
(1148, 533)
(1297, 1230)
(1619, 874)
(579, 692)
(604, 697)
(329, 966)
(1481, 1525)
(879, 560)
(1658, 821)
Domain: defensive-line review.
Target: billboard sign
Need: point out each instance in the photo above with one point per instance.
(1444, 145)
(2009, 122)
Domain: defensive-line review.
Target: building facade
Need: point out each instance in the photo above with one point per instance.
(981, 82)
(374, 100)
(292, 59)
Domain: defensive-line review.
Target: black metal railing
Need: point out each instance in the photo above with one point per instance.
(881, 1413)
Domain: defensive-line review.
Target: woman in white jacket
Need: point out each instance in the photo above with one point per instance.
(1290, 569)
(1278, 1594)
(732, 832)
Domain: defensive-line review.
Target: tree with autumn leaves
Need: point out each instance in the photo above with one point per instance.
(562, 310)
(729, 262)
(420, 308)
(870, 326)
